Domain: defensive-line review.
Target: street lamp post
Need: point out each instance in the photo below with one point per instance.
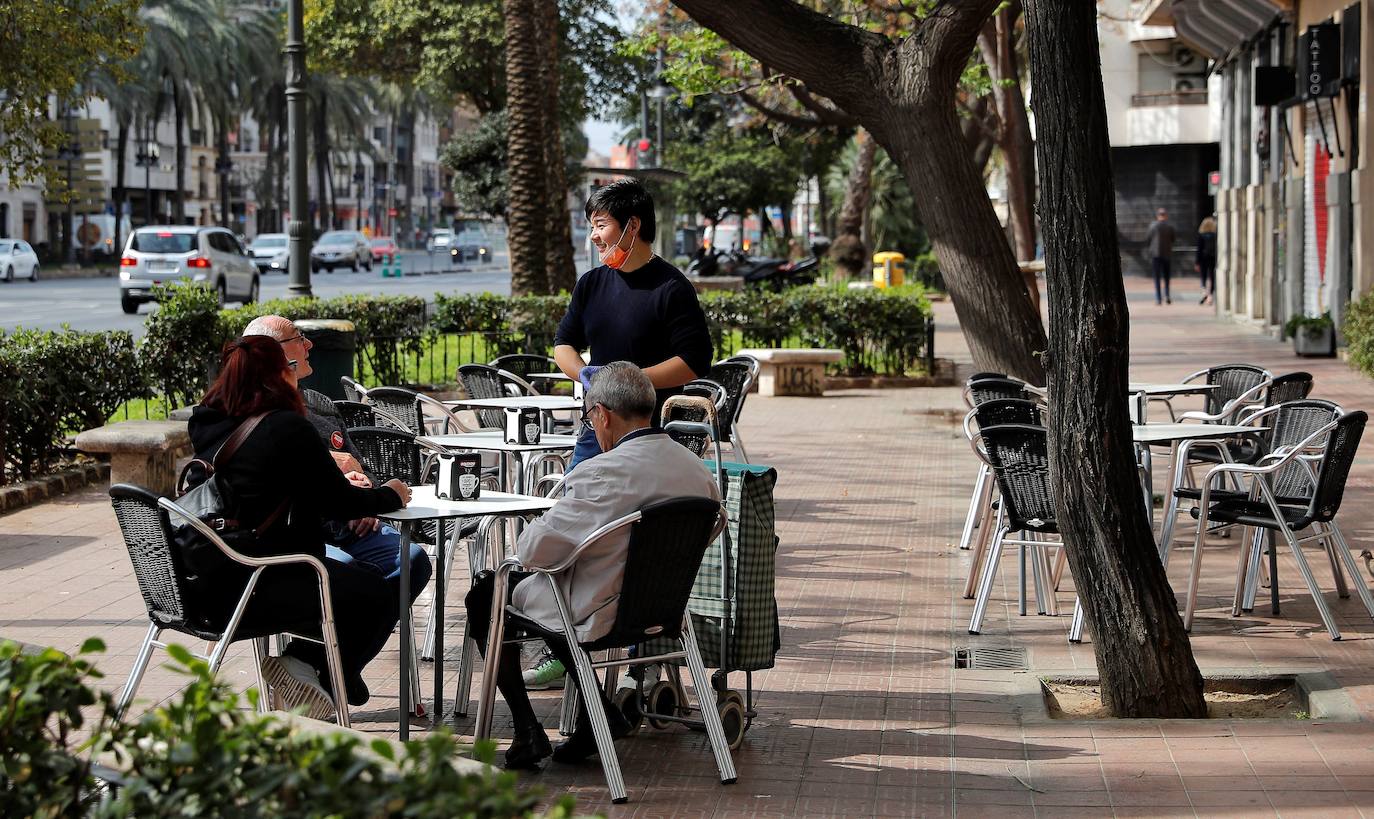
(358, 179)
(298, 228)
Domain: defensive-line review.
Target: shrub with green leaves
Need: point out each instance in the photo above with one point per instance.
(203, 754)
(1359, 333)
(182, 342)
(55, 384)
(46, 703)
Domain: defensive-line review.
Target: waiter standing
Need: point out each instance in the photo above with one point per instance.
(634, 307)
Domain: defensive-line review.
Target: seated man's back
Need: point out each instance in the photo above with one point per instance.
(644, 467)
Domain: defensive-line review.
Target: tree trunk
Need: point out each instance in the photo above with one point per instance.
(1143, 654)
(849, 250)
(525, 151)
(902, 91)
(121, 193)
(998, 44)
(179, 195)
(560, 268)
(321, 123)
(987, 289)
(222, 161)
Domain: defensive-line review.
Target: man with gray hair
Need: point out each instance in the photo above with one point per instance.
(367, 540)
(640, 465)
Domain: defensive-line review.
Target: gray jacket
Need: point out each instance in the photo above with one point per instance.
(644, 469)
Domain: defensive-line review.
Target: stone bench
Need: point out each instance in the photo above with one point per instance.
(141, 452)
(793, 371)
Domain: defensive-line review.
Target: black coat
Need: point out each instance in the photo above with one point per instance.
(284, 460)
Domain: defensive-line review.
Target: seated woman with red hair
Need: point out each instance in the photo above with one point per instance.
(283, 465)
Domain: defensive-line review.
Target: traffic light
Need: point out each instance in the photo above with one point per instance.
(645, 152)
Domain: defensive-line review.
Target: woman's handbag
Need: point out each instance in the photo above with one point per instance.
(212, 502)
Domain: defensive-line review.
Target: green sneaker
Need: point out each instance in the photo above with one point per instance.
(548, 672)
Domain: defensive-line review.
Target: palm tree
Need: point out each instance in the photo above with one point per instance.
(174, 62)
(247, 40)
(529, 199)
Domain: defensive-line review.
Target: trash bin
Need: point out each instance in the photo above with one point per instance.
(889, 269)
(331, 356)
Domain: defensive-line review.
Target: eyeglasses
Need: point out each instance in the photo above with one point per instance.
(291, 339)
(586, 413)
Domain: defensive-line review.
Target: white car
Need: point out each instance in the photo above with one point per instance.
(211, 256)
(17, 259)
(440, 239)
(265, 248)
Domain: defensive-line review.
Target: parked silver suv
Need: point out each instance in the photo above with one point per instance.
(211, 256)
(341, 248)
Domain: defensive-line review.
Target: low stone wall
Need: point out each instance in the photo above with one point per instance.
(47, 487)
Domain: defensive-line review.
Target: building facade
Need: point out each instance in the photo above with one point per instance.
(1291, 226)
(1161, 107)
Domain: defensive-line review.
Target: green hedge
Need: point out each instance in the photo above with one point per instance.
(878, 330)
(203, 754)
(514, 324)
(185, 335)
(53, 384)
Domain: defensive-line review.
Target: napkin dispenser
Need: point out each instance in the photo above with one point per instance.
(522, 425)
(460, 477)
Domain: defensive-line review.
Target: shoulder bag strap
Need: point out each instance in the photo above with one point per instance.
(227, 450)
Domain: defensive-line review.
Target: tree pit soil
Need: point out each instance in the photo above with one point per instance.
(1259, 698)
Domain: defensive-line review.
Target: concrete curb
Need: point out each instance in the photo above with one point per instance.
(76, 272)
(1326, 699)
(30, 493)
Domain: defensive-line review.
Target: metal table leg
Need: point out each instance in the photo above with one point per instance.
(442, 545)
(403, 710)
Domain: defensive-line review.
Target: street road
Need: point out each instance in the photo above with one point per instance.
(93, 304)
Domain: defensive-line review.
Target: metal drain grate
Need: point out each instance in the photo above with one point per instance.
(983, 658)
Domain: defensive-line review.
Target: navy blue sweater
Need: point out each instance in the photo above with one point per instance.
(645, 316)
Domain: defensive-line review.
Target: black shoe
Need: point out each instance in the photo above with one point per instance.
(530, 746)
(357, 691)
(582, 743)
(1168, 300)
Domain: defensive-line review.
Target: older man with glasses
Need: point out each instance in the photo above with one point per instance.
(366, 540)
(640, 465)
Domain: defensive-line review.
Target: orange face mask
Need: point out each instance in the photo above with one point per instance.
(615, 256)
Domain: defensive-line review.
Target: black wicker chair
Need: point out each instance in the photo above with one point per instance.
(1019, 457)
(667, 541)
(356, 414)
(522, 364)
(174, 603)
(986, 389)
(1264, 508)
(482, 381)
(676, 408)
(353, 391)
(737, 375)
(989, 411)
(397, 407)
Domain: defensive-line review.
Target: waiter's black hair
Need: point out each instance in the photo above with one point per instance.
(623, 199)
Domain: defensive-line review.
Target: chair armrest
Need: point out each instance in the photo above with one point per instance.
(239, 557)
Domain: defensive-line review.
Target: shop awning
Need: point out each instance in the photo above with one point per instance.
(1214, 27)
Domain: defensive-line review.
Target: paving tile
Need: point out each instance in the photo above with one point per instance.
(864, 713)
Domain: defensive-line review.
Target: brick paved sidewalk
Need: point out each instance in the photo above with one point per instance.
(865, 714)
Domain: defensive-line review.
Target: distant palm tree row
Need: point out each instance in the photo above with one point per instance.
(219, 61)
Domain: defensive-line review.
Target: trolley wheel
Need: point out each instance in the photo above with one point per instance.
(732, 720)
(731, 695)
(627, 700)
(662, 700)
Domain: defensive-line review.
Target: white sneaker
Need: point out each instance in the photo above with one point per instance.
(295, 684)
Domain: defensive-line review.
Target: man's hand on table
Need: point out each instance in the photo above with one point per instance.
(358, 479)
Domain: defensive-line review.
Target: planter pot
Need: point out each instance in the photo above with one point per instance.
(1315, 343)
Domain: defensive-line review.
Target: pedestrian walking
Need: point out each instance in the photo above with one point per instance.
(1206, 264)
(1159, 239)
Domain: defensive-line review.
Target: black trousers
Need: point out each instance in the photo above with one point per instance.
(1160, 266)
(1207, 269)
(366, 610)
(510, 678)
